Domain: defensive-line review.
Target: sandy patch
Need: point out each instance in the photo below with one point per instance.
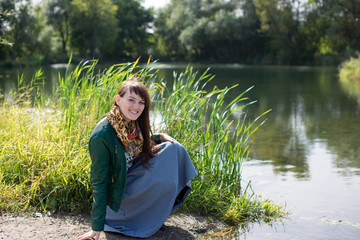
(66, 226)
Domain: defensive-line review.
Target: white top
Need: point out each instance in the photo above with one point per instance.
(129, 160)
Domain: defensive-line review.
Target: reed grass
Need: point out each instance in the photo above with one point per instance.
(44, 160)
(349, 75)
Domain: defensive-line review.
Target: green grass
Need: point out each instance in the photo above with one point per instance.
(44, 160)
(350, 77)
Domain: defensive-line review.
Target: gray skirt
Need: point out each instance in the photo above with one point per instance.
(152, 193)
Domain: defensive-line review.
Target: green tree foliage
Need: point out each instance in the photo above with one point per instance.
(244, 31)
(44, 38)
(4, 43)
(280, 22)
(133, 21)
(208, 29)
(343, 32)
(214, 33)
(259, 31)
(57, 13)
(3, 17)
(93, 24)
(107, 28)
(253, 40)
(171, 21)
(16, 26)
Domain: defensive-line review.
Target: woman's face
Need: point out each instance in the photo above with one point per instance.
(131, 105)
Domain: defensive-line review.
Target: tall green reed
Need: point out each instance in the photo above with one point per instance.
(44, 160)
(206, 125)
(214, 130)
(44, 157)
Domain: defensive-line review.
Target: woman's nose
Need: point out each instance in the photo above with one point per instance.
(137, 105)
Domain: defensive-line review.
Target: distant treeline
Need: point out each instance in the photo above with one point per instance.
(242, 31)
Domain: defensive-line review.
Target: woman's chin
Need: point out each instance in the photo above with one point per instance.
(132, 118)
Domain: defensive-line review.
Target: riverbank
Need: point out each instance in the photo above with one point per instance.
(69, 226)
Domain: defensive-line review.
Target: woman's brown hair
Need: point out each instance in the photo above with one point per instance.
(133, 84)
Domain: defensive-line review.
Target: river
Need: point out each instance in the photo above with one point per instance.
(306, 155)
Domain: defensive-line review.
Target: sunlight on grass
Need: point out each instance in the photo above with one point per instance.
(350, 77)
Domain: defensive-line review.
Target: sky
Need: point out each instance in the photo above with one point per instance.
(146, 3)
(155, 3)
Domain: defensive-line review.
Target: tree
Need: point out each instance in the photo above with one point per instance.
(57, 13)
(280, 21)
(344, 32)
(253, 40)
(203, 30)
(4, 43)
(94, 26)
(17, 26)
(170, 22)
(133, 24)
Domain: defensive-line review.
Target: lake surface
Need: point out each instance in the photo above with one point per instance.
(306, 155)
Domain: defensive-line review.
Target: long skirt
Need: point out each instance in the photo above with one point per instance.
(152, 193)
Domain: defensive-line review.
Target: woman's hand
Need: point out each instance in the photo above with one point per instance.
(90, 235)
(166, 138)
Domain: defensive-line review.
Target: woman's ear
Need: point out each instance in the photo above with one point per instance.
(117, 98)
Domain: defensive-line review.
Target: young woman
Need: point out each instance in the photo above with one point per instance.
(136, 184)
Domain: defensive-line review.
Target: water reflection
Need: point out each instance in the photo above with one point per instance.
(308, 106)
(351, 87)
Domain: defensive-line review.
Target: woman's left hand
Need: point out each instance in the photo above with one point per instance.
(90, 235)
(166, 138)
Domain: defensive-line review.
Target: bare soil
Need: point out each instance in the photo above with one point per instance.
(67, 226)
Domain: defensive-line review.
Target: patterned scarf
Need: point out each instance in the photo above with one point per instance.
(128, 133)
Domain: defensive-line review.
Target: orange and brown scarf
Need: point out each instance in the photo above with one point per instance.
(128, 133)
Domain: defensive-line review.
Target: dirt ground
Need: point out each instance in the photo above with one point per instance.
(65, 226)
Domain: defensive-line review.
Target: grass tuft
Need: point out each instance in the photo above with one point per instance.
(349, 75)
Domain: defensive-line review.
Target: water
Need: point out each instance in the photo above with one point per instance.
(306, 155)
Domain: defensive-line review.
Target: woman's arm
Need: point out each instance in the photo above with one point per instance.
(161, 137)
(100, 163)
(166, 138)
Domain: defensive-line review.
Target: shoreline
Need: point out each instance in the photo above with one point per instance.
(69, 226)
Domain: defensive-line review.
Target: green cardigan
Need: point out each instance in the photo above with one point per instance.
(108, 171)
